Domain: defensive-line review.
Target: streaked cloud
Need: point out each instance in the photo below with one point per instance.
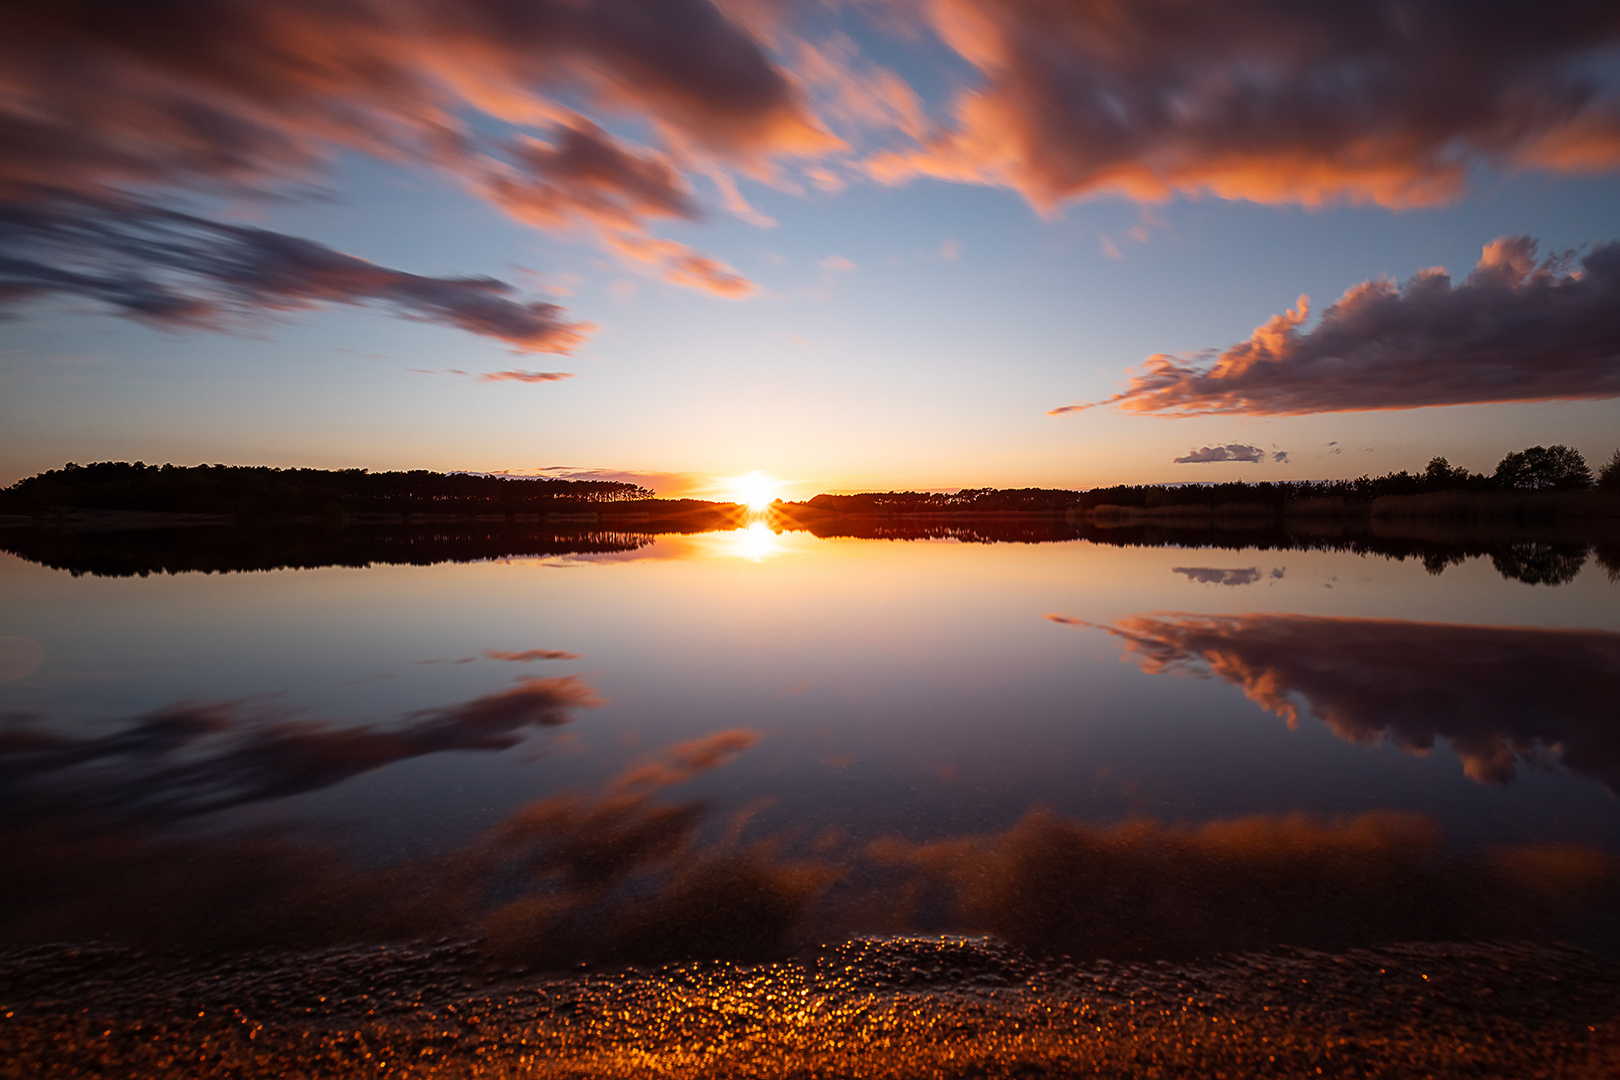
(1518, 328)
(588, 175)
(1275, 103)
(111, 117)
(175, 270)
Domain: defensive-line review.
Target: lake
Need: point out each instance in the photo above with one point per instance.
(739, 745)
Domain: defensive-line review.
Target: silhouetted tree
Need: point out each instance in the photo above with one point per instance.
(1549, 468)
(1439, 475)
(1609, 476)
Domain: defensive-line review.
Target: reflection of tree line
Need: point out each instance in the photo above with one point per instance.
(1551, 557)
(97, 845)
(1554, 558)
(226, 548)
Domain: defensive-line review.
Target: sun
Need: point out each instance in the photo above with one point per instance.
(754, 490)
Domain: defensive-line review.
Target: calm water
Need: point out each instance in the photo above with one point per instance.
(741, 740)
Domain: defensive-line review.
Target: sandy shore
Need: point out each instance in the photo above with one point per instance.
(899, 1007)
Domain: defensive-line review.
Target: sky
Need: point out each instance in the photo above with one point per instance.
(848, 244)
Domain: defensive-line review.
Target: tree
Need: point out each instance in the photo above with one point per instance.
(1549, 468)
(1609, 476)
(1439, 474)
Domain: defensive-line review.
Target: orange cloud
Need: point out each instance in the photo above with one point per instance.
(1273, 103)
(238, 96)
(1515, 330)
(525, 376)
(680, 265)
(589, 175)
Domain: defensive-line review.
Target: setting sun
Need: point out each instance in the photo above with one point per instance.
(754, 490)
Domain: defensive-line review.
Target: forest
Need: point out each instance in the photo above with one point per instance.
(261, 491)
(1537, 468)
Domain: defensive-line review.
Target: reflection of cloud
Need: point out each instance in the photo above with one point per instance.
(1515, 330)
(196, 759)
(619, 877)
(1210, 575)
(686, 760)
(1229, 452)
(1302, 103)
(1497, 695)
(530, 655)
(1144, 889)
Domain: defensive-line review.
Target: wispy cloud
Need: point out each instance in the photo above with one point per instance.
(1516, 329)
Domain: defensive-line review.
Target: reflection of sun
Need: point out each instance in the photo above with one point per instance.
(755, 543)
(754, 490)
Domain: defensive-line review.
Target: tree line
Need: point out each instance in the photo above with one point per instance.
(252, 491)
(1537, 468)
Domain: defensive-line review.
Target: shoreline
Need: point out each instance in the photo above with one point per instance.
(894, 1007)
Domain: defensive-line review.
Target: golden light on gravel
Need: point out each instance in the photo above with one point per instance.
(909, 1007)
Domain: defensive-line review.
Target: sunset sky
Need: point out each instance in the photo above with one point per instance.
(852, 244)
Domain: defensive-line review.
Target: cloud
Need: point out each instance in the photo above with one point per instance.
(529, 655)
(586, 174)
(190, 760)
(680, 265)
(1209, 575)
(950, 249)
(1280, 456)
(1515, 330)
(242, 97)
(525, 376)
(1500, 696)
(1229, 452)
(835, 263)
(240, 89)
(1273, 103)
(177, 270)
